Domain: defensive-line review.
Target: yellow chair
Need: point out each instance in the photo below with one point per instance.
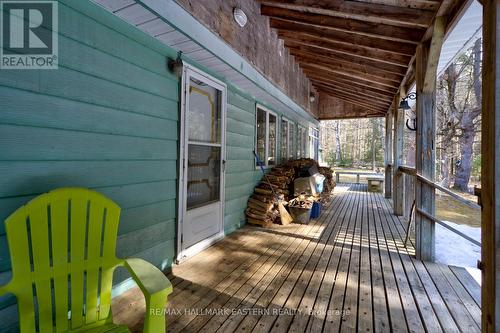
(62, 247)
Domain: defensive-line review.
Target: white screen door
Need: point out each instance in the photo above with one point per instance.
(202, 163)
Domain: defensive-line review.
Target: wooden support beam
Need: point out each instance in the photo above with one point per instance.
(388, 154)
(342, 56)
(349, 49)
(345, 37)
(333, 70)
(416, 4)
(354, 101)
(345, 65)
(427, 59)
(490, 169)
(362, 27)
(376, 13)
(352, 96)
(354, 89)
(363, 84)
(398, 195)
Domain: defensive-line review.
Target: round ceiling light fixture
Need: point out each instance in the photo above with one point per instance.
(240, 17)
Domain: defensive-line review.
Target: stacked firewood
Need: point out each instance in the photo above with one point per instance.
(303, 201)
(329, 183)
(262, 206)
(303, 162)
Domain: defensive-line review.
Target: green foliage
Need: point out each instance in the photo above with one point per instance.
(345, 163)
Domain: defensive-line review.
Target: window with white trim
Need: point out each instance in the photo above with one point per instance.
(313, 143)
(301, 142)
(291, 141)
(285, 139)
(266, 136)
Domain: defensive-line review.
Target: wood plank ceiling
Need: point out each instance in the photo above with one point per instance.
(357, 51)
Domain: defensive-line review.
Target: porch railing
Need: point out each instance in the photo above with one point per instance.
(410, 175)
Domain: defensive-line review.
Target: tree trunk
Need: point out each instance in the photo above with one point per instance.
(466, 144)
(466, 140)
(338, 151)
(374, 154)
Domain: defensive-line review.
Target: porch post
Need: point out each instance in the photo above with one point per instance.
(427, 59)
(490, 169)
(398, 181)
(388, 154)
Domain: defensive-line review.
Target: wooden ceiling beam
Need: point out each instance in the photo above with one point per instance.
(358, 91)
(348, 49)
(366, 108)
(352, 85)
(371, 12)
(356, 99)
(344, 65)
(432, 5)
(347, 73)
(308, 49)
(346, 79)
(384, 31)
(345, 37)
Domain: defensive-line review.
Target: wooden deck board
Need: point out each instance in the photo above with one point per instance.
(347, 271)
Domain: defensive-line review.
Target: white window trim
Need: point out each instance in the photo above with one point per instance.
(314, 134)
(292, 152)
(302, 144)
(266, 142)
(288, 145)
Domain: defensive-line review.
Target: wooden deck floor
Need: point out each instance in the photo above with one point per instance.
(347, 271)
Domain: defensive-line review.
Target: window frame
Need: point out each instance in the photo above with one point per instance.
(302, 136)
(288, 143)
(314, 142)
(292, 131)
(267, 111)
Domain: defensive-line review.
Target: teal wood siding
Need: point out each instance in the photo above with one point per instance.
(241, 174)
(107, 119)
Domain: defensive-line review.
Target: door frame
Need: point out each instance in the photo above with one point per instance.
(189, 71)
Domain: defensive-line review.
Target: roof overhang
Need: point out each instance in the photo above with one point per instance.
(169, 23)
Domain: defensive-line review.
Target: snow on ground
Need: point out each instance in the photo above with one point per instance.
(452, 249)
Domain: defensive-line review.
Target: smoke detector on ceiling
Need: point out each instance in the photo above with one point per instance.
(240, 17)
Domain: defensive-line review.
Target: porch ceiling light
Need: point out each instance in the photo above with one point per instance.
(240, 17)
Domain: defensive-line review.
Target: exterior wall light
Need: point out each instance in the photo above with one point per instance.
(312, 97)
(405, 106)
(240, 17)
(175, 66)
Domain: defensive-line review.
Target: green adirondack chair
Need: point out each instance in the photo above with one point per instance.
(62, 247)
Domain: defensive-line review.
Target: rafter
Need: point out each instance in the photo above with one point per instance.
(345, 65)
(358, 91)
(348, 80)
(347, 73)
(349, 49)
(345, 37)
(400, 34)
(371, 12)
(351, 84)
(308, 49)
(355, 99)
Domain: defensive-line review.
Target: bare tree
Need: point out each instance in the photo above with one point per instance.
(459, 109)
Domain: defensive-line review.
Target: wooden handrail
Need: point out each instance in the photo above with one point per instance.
(452, 194)
(438, 221)
(412, 172)
(408, 170)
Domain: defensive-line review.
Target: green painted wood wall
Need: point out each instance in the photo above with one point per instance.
(107, 119)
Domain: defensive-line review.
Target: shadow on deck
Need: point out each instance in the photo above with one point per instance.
(348, 270)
